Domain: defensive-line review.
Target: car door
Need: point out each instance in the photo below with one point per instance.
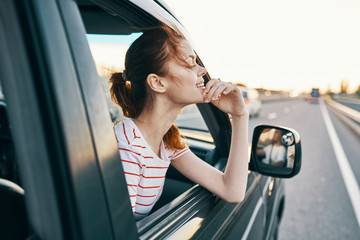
(63, 138)
(274, 199)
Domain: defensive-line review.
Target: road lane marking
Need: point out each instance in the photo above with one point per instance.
(252, 219)
(349, 178)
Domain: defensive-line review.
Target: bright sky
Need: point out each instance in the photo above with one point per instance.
(279, 44)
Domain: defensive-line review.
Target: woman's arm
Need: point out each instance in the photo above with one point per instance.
(231, 184)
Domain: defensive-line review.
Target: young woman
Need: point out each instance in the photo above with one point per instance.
(161, 76)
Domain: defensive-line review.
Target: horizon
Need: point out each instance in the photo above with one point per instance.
(276, 45)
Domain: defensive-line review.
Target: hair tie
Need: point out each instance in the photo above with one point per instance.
(126, 81)
(124, 76)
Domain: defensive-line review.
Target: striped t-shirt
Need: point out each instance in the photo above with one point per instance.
(144, 170)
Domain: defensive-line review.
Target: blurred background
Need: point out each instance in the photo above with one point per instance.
(279, 45)
(298, 64)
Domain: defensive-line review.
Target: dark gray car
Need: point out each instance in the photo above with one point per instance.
(56, 131)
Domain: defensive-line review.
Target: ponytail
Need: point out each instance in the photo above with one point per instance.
(121, 94)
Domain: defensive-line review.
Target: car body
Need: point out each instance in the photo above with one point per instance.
(65, 149)
(252, 101)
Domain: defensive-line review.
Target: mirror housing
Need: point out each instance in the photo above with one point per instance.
(276, 151)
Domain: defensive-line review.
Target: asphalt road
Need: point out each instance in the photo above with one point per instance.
(317, 205)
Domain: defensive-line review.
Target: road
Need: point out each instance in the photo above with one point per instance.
(318, 205)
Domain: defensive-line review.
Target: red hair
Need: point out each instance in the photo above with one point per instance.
(148, 54)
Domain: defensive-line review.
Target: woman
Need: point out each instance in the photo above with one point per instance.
(275, 152)
(161, 76)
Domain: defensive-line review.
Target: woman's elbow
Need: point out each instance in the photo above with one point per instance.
(234, 198)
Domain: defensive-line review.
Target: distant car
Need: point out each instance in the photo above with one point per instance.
(252, 101)
(314, 96)
(57, 131)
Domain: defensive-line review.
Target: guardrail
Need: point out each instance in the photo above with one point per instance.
(348, 115)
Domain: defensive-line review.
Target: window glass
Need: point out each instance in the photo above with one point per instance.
(108, 52)
(190, 118)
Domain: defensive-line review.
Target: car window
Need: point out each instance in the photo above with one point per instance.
(190, 118)
(108, 52)
(253, 94)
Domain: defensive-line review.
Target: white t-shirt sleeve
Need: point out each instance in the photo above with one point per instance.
(178, 152)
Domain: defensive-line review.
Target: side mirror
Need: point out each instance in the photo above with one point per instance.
(276, 151)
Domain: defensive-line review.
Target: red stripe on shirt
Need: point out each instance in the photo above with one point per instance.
(157, 167)
(124, 149)
(146, 196)
(125, 133)
(186, 149)
(131, 185)
(135, 134)
(146, 205)
(138, 146)
(129, 173)
(148, 187)
(142, 213)
(132, 195)
(153, 176)
(127, 161)
(135, 174)
(141, 166)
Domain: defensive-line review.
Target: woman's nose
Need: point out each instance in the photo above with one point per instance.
(202, 71)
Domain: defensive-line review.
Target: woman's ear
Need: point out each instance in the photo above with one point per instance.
(156, 83)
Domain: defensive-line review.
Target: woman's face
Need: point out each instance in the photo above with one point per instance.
(186, 85)
(277, 136)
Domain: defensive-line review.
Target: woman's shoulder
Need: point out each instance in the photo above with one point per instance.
(125, 131)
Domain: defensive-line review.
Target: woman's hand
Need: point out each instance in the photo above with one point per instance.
(231, 184)
(225, 96)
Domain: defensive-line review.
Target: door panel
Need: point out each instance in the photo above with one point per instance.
(247, 219)
(54, 143)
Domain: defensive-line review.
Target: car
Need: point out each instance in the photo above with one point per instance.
(252, 100)
(314, 96)
(62, 176)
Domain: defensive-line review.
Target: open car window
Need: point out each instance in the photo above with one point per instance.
(108, 52)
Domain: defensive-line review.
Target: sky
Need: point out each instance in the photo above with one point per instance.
(279, 44)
